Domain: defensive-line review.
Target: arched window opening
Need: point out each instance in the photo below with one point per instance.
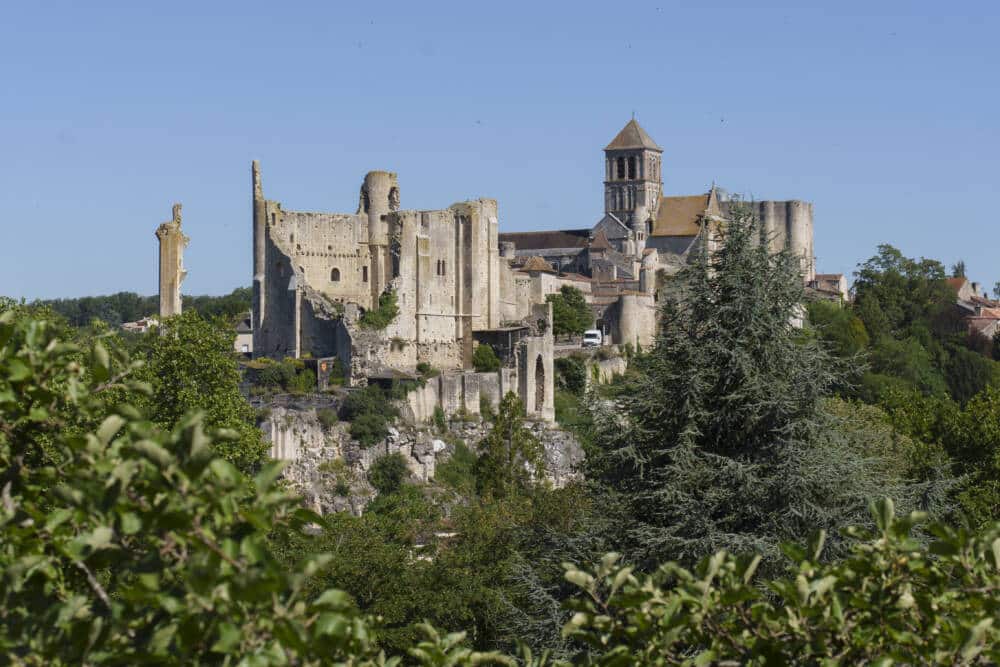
(539, 384)
(364, 274)
(631, 167)
(335, 275)
(621, 167)
(365, 201)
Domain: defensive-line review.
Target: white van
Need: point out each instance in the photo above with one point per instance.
(592, 338)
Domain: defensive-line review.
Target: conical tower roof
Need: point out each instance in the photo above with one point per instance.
(632, 136)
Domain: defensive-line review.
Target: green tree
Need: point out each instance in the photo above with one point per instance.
(510, 457)
(388, 473)
(839, 326)
(968, 373)
(722, 439)
(484, 359)
(131, 543)
(570, 313)
(191, 366)
(958, 269)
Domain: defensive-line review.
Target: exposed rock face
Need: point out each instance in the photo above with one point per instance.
(330, 469)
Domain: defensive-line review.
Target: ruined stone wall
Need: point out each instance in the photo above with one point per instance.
(454, 393)
(324, 246)
(535, 370)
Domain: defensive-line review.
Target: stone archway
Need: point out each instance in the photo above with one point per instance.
(539, 384)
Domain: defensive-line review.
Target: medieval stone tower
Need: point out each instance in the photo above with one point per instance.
(633, 183)
(172, 273)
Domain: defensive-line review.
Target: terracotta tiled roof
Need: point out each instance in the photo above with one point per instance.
(537, 264)
(632, 136)
(829, 276)
(957, 283)
(680, 216)
(566, 238)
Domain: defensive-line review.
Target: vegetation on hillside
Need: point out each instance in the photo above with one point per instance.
(730, 512)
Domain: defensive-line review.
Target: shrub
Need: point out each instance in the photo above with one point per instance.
(303, 382)
(388, 473)
(485, 360)
(327, 417)
(571, 374)
(440, 421)
(386, 312)
(426, 370)
(486, 408)
(369, 429)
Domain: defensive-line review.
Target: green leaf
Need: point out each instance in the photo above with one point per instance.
(334, 599)
(18, 371)
(268, 474)
(111, 425)
(153, 452)
(100, 363)
(225, 472)
(229, 638)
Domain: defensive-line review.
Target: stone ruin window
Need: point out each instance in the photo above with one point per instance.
(441, 267)
(364, 274)
(631, 167)
(621, 167)
(335, 275)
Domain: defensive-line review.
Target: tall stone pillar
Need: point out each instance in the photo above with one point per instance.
(172, 273)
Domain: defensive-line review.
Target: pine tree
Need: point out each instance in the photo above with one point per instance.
(723, 441)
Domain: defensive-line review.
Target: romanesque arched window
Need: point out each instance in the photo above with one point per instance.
(621, 167)
(335, 275)
(631, 167)
(364, 274)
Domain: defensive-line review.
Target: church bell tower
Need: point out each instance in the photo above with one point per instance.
(632, 181)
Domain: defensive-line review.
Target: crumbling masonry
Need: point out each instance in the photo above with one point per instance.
(172, 243)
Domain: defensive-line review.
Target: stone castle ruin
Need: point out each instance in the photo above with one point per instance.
(450, 280)
(316, 275)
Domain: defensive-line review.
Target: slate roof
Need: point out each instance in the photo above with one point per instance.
(600, 241)
(632, 136)
(565, 238)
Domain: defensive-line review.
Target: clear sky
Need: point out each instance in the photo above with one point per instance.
(882, 113)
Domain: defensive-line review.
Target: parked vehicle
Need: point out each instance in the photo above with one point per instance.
(592, 338)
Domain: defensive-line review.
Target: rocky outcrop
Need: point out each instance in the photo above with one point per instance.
(330, 469)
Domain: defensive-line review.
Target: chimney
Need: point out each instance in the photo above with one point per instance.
(975, 289)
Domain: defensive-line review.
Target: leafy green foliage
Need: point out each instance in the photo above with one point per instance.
(369, 411)
(510, 456)
(190, 366)
(327, 417)
(388, 473)
(571, 374)
(289, 374)
(485, 360)
(380, 317)
(122, 307)
(839, 326)
(126, 543)
(570, 313)
(891, 601)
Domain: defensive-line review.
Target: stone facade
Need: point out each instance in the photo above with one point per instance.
(317, 274)
(644, 233)
(172, 243)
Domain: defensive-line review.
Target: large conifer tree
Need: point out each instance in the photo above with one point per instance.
(723, 441)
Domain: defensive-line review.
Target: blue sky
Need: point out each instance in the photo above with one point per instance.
(884, 114)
